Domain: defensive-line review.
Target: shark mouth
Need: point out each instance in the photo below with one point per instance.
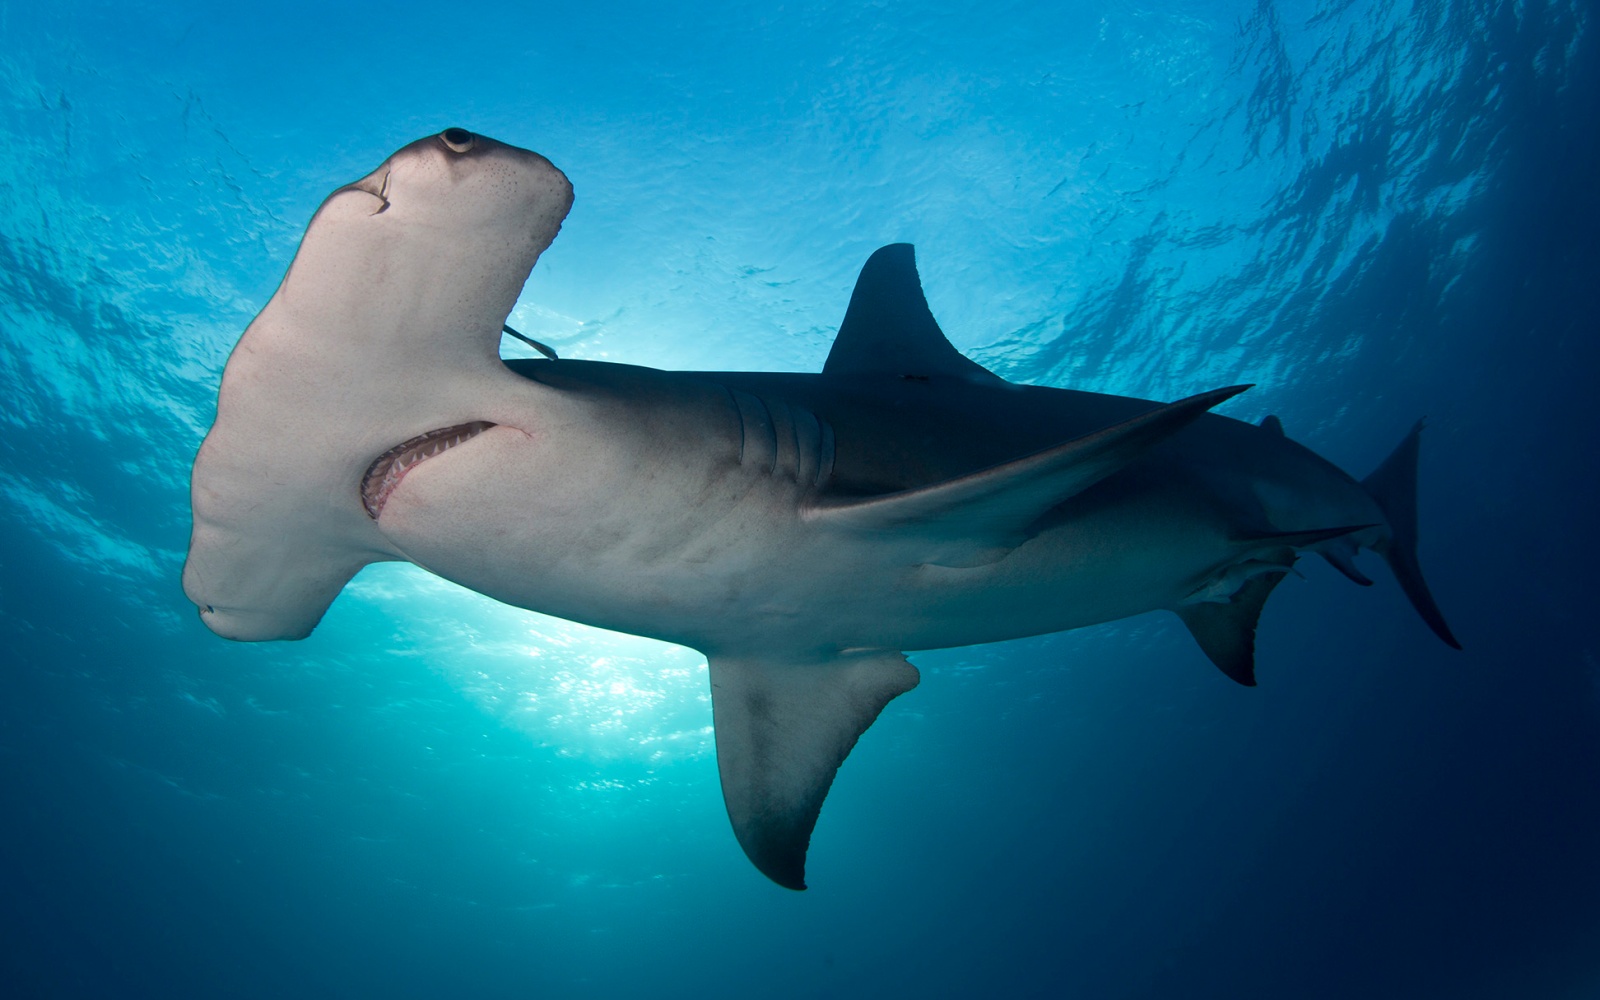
(384, 474)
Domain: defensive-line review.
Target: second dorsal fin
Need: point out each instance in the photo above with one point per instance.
(888, 329)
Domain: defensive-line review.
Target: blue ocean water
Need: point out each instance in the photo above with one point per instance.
(1376, 211)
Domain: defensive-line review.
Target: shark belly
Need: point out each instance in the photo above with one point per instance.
(710, 548)
(623, 529)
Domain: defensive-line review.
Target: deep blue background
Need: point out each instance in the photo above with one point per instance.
(1375, 211)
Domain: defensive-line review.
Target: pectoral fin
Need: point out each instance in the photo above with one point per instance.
(783, 728)
(981, 516)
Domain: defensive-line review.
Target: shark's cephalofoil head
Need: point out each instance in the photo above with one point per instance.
(378, 352)
(460, 181)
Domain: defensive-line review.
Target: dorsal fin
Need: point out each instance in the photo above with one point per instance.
(888, 329)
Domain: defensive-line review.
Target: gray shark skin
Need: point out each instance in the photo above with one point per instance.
(803, 531)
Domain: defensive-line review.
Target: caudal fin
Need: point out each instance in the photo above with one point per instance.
(1394, 486)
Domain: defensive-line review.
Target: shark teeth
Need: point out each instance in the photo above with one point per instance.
(386, 471)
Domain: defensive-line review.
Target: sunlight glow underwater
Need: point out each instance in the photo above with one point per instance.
(586, 692)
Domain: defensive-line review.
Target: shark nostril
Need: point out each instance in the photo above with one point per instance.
(458, 140)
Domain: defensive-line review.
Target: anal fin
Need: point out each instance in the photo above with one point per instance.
(782, 729)
(1227, 632)
(1342, 558)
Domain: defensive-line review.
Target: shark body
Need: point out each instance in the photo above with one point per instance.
(802, 531)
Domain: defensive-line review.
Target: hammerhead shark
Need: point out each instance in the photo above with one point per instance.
(802, 531)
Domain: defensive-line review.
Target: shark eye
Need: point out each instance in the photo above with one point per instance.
(458, 140)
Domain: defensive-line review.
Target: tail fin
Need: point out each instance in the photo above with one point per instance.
(1394, 486)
